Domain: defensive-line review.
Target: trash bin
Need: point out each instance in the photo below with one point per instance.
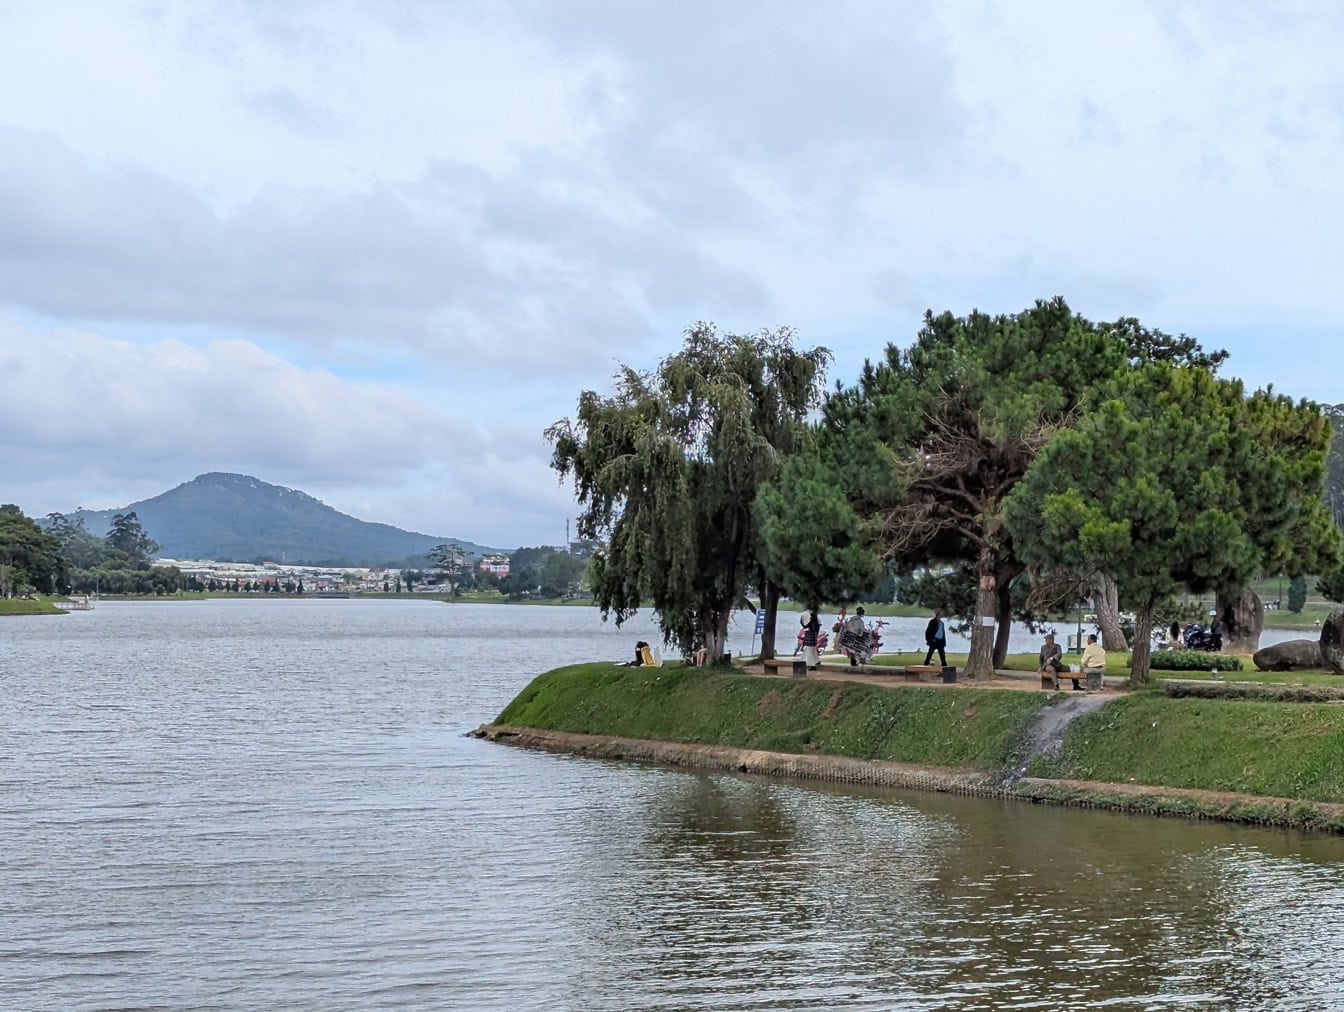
(949, 674)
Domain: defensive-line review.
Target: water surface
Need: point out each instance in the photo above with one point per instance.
(244, 804)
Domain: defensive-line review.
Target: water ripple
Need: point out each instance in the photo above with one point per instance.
(245, 804)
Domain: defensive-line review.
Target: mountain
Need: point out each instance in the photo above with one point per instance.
(237, 518)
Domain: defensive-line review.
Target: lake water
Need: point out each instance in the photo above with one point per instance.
(227, 805)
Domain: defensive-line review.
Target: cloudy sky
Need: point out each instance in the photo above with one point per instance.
(371, 250)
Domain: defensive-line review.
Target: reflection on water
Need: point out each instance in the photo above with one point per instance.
(247, 804)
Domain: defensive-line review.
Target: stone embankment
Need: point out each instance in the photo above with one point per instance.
(1137, 798)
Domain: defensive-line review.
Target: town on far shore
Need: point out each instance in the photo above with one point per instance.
(270, 576)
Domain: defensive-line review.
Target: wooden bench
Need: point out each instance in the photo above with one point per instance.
(929, 673)
(1049, 680)
(795, 666)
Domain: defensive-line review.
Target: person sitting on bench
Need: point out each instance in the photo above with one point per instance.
(1052, 660)
(1094, 664)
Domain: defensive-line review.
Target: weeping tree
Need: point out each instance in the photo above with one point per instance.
(666, 471)
(1177, 481)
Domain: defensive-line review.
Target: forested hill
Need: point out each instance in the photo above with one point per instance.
(234, 517)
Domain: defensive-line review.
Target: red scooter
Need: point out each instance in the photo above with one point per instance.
(823, 640)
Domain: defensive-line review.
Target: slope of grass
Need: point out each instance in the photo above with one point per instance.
(1277, 750)
(933, 726)
(1287, 750)
(28, 606)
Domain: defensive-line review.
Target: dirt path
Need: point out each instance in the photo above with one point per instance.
(1045, 736)
(1026, 681)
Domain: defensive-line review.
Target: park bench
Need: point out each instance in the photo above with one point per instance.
(929, 673)
(795, 666)
(1049, 680)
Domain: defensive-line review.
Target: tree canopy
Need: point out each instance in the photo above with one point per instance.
(914, 463)
(128, 536)
(1178, 480)
(29, 556)
(920, 454)
(666, 471)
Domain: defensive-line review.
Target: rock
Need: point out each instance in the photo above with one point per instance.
(1292, 655)
(1332, 641)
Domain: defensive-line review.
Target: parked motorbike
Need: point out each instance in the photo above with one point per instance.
(1199, 638)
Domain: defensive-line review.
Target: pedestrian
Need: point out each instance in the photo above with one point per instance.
(1216, 629)
(935, 635)
(811, 623)
(1051, 659)
(1093, 664)
(858, 640)
(1175, 641)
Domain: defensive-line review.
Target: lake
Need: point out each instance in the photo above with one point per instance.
(272, 804)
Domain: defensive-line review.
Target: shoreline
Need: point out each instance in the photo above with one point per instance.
(1246, 756)
(1304, 626)
(1140, 799)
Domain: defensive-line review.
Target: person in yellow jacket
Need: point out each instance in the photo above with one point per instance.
(1093, 663)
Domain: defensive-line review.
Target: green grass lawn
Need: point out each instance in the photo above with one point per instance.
(28, 606)
(1117, 666)
(958, 727)
(1278, 750)
(1286, 750)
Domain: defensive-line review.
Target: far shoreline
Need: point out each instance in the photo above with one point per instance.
(1308, 620)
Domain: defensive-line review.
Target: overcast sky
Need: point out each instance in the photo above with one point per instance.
(372, 250)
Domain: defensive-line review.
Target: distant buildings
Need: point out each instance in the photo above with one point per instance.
(497, 564)
(315, 579)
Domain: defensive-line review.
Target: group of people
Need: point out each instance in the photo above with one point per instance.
(1092, 663)
(855, 638)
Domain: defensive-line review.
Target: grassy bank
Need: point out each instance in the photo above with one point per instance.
(28, 606)
(1285, 750)
(1270, 750)
(968, 727)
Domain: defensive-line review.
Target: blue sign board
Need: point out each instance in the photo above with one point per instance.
(760, 622)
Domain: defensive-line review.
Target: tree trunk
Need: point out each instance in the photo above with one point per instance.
(1106, 598)
(1243, 618)
(1143, 645)
(770, 602)
(720, 643)
(1003, 608)
(980, 664)
(1003, 615)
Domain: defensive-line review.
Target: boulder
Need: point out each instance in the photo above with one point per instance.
(1292, 655)
(1332, 641)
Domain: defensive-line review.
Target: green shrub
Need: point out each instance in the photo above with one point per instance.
(1193, 660)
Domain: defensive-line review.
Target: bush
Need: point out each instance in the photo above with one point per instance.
(1193, 660)
(1297, 594)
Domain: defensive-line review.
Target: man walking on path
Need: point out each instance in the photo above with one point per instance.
(935, 635)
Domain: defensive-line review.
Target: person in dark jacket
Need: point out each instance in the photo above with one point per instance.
(935, 635)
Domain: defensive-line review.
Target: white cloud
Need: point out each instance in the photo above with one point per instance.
(487, 207)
